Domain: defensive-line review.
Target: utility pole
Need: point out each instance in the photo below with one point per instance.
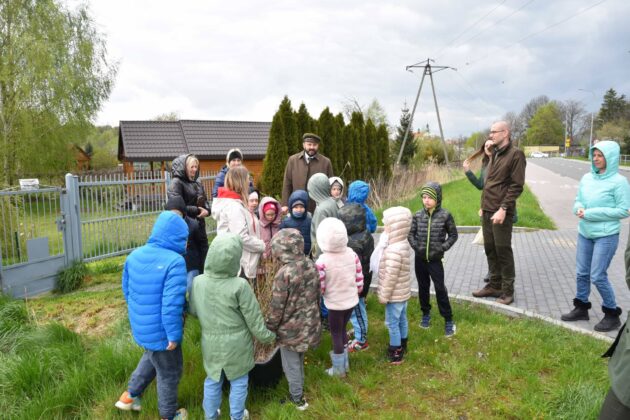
(428, 69)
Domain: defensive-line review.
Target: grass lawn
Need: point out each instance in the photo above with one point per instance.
(495, 367)
(462, 200)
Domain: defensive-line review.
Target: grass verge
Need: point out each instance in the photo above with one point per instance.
(462, 200)
(495, 367)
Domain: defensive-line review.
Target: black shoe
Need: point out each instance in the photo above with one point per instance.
(395, 355)
(579, 312)
(299, 403)
(611, 320)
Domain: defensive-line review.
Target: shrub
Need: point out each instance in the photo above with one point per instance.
(71, 278)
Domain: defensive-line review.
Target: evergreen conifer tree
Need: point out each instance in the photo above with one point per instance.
(275, 159)
(340, 158)
(372, 148)
(360, 148)
(385, 162)
(329, 137)
(348, 153)
(410, 145)
(292, 139)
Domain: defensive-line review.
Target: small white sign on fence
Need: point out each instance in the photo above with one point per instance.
(29, 184)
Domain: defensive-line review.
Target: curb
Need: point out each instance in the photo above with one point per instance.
(517, 312)
(474, 229)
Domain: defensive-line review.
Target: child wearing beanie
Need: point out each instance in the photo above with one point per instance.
(298, 218)
(432, 233)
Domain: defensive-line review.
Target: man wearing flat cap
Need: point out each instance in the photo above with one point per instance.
(301, 166)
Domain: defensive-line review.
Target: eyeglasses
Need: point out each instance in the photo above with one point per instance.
(498, 131)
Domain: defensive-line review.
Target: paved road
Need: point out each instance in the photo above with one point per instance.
(570, 168)
(545, 259)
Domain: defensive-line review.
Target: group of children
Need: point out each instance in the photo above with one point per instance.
(324, 266)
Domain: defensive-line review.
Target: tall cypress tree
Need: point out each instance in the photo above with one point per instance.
(340, 158)
(410, 145)
(329, 137)
(360, 147)
(385, 163)
(275, 159)
(292, 140)
(372, 147)
(348, 153)
(304, 122)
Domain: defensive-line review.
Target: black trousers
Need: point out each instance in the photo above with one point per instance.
(497, 242)
(613, 409)
(425, 272)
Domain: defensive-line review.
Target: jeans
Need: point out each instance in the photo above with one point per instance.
(592, 262)
(425, 272)
(323, 310)
(497, 243)
(168, 367)
(212, 396)
(191, 275)
(359, 321)
(293, 367)
(396, 321)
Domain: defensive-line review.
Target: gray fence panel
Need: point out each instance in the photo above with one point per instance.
(32, 278)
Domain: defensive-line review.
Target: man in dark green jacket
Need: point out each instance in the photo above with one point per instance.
(505, 178)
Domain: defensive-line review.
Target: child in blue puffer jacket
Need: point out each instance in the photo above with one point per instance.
(154, 286)
(358, 192)
(299, 218)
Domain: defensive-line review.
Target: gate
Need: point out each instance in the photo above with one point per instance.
(32, 239)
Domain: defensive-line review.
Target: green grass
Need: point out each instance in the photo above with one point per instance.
(495, 367)
(463, 200)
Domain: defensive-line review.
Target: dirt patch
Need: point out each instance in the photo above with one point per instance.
(97, 323)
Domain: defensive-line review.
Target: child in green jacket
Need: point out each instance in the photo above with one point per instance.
(230, 318)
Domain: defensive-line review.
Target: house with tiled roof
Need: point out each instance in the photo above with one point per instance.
(152, 145)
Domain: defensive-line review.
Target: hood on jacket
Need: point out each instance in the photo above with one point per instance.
(399, 221)
(318, 187)
(334, 179)
(332, 235)
(438, 192)
(170, 231)
(178, 167)
(224, 256)
(263, 221)
(610, 150)
(233, 153)
(353, 217)
(288, 245)
(298, 195)
(358, 192)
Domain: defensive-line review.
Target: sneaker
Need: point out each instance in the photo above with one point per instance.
(357, 346)
(181, 414)
(127, 402)
(299, 403)
(449, 329)
(426, 321)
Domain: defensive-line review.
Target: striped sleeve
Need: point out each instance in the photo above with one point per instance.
(321, 269)
(359, 273)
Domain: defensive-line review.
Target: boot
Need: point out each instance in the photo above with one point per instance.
(579, 312)
(395, 355)
(403, 344)
(338, 365)
(487, 291)
(346, 360)
(611, 320)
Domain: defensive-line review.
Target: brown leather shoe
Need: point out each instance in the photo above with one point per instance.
(487, 291)
(505, 299)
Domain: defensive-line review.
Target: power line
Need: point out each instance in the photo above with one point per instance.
(469, 27)
(553, 25)
(497, 22)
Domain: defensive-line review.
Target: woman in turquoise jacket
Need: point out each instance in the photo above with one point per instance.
(603, 199)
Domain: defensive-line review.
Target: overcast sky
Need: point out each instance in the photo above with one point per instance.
(235, 60)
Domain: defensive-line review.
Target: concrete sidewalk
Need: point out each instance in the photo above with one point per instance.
(545, 259)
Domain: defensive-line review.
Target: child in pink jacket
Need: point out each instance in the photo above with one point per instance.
(341, 280)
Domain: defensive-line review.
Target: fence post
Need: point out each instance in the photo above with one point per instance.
(72, 237)
(167, 182)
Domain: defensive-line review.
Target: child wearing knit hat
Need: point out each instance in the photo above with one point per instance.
(432, 233)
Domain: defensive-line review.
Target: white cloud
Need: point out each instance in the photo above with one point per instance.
(236, 60)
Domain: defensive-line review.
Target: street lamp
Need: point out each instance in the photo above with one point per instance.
(590, 139)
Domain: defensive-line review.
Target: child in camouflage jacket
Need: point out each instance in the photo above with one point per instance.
(293, 311)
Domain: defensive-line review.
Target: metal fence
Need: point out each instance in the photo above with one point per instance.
(117, 211)
(26, 216)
